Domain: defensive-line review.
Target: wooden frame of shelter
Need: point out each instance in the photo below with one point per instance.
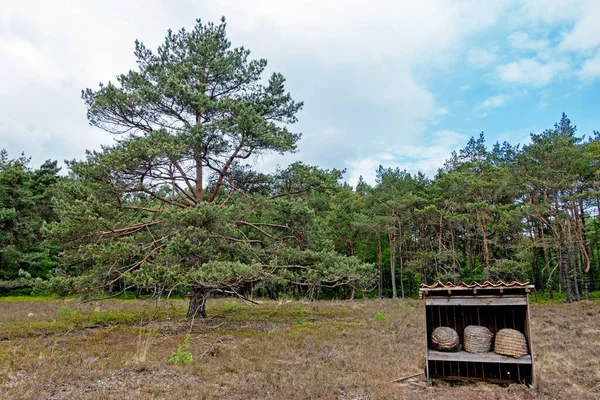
(493, 305)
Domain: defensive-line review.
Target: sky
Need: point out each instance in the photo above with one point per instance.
(393, 83)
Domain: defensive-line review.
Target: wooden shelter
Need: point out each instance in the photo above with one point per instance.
(492, 305)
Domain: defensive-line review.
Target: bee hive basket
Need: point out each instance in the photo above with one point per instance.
(510, 342)
(445, 339)
(478, 339)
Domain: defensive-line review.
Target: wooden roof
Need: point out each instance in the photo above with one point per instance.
(475, 288)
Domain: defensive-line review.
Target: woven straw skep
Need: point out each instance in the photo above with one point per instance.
(445, 339)
(478, 339)
(510, 342)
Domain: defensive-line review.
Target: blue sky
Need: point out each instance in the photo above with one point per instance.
(398, 83)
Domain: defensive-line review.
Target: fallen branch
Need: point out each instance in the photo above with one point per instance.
(408, 377)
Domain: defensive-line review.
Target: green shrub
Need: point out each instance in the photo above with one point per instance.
(73, 316)
(302, 319)
(115, 317)
(100, 318)
(404, 306)
(229, 307)
(66, 312)
(379, 316)
(183, 355)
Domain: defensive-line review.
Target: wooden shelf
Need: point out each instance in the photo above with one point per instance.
(464, 356)
(506, 300)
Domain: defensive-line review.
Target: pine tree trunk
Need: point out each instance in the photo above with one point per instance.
(575, 270)
(401, 261)
(469, 251)
(197, 306)
(547, 262)
(379, 265)
(586, 251)
(486, 249)
(199, 173)
(595, 245)
(199, 183)
(561, 280)
(534, 260)
(486, 252)
(583, 277)
(393, 264)
(565, 269)
(586, 287)
(571, 252)
(455, 268)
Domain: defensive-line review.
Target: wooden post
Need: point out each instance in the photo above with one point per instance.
(530, 342)
(427, 374)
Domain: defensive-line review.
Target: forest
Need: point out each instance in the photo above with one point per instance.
(176, 205)
(507, 213)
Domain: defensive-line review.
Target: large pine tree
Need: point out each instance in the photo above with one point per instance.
(173, 205)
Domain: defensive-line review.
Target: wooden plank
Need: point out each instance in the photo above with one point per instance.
(463, 356)
(533, 380)
(473, 378)
(427, 373)
(476, 301)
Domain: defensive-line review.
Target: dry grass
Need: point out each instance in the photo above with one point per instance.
(292, 350)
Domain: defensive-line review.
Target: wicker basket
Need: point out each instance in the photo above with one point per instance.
(445, 339)
(478, 339)
(510, 342)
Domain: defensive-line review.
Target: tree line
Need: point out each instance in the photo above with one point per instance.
(26, 197)
(507, 213)
(175, 205)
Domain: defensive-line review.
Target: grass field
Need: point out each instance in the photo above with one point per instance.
(118, 349)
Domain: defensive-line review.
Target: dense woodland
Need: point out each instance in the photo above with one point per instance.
(176, 206)
(507, 213)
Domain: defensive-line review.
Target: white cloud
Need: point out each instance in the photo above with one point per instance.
(370, 30)
(585, 34)
(365, 167)
(543, 98)
(580, 16)
(590, 69)
(50, 51)
(500, 100)
(441, 112)
(361, 68)
(35, 136)
(522, 41)
(575, 26)
(425, 157)
(518, 137)
(358, 66)
(496, 101)
(551, 11)
(480, 57)
(19, 56)
(530, 71)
